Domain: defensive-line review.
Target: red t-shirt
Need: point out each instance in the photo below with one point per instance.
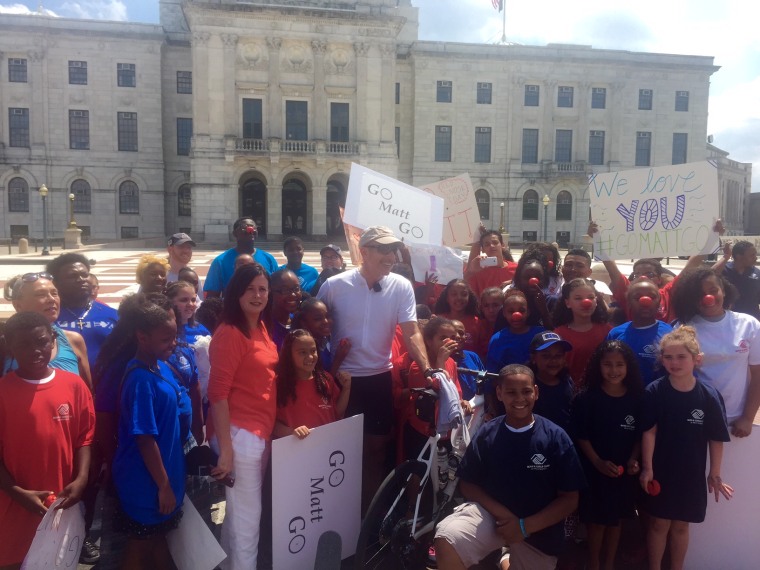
(584, 343)
(309, 408)
(41, 428)
(492, 277)
(406, 374)
(485, 332)
(664, 311)
(471, 331)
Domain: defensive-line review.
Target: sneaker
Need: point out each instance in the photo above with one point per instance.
(90, 552)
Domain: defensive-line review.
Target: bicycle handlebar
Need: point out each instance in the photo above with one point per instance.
(479, 373)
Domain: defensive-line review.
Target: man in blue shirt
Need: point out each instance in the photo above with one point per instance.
(219, 274)
(742, 274)
(307, 275)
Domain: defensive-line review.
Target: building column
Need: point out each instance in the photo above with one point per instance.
(274, 210)
(201, 85)
(546, 142)
(388, 93)
(38, 107)
(275, 126)
(230, 42)
(362, 77)
(318, 213)
(216, 96)
(321, 106)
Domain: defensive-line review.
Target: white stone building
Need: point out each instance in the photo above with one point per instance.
(259, 107)
(735, 185)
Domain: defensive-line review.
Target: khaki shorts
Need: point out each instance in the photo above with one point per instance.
(471, 530)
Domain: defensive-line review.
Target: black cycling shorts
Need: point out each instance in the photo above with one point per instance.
(372, 396)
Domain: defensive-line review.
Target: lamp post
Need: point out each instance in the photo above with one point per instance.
(546, 201)
(72, 223)
(43, 194)
(502, 229)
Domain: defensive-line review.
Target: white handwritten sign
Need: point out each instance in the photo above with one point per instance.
(655, 212)
(374, 199)
(445, 262)
(461, 217)
(316, 487)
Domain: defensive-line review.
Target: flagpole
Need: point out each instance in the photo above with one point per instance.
(503, 23)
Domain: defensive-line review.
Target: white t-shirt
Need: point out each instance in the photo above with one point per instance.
(730, 346)
(367, 318)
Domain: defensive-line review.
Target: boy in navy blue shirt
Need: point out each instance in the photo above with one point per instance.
(521, 476)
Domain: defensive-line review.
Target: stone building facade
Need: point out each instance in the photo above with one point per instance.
(259, 107)
(735, 186)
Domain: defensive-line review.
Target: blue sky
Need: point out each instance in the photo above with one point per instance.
(725, 30)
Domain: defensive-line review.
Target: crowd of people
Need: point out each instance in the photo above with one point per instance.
(608, 401)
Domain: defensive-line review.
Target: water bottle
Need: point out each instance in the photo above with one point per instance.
(443, 465)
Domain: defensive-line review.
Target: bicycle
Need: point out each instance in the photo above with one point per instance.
(388, 538)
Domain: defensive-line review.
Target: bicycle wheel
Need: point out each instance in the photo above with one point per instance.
(385, 540)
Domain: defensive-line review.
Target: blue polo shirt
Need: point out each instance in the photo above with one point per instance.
(307, 276)
(223, 266)
(748, 285)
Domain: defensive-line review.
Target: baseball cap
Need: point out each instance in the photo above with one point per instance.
(331, 247)
(544, 340)
(179, 239)
(381, 235)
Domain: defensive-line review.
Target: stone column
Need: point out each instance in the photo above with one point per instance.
(275, 126)
(274, 211)
(546, 138)
(3, 104)
(38, 107)
(216, 88)
(231, 128)
(321, 110)
(201, 85)
(318, 213)
(388, 95)
(362, 77)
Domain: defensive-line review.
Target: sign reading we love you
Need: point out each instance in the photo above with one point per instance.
(655, 212)
(374, 199)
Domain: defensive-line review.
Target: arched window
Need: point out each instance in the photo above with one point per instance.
(483, 200)
(184, 201)
(564, 206)
(18, 195)
(129, 198)
(530, 205)
(82, 196)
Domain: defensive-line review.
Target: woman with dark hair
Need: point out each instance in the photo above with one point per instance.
(488, 265)
(730, 341)
(243, 398)
(532, 277)
(553, 261)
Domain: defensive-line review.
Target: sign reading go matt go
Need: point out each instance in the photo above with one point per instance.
(374, 199)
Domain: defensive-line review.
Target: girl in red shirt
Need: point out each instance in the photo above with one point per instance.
(458, 302)
(307, 396)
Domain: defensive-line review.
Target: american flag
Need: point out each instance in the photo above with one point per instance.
(498, 4)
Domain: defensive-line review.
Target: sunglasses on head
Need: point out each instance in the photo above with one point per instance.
(385, 248)
(27, 278)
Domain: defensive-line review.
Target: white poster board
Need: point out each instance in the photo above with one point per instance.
(729, 536)
(461, 218)
(445, 262)
(655, 212)
(192, 545)
(374, 199)
(316, 487)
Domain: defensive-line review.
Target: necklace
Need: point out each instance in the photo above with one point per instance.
(79, 319)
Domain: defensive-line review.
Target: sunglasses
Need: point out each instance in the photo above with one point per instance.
(648, 275)
(385, 249)
(28, 278)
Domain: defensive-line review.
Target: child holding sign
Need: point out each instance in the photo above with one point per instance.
(681, 419)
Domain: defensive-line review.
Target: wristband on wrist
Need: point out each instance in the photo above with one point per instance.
(522, 529)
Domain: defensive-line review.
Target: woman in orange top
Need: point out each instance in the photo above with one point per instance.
(243, 398)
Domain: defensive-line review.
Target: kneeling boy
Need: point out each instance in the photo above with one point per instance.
(521, 476)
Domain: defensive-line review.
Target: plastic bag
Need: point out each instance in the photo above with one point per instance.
(192, 545)
(58, 540)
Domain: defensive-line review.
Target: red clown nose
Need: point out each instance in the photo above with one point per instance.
(646, 302)
(517, 317)
(49, 500)
(249, 230)
(533, 281)
(708, 300)
(550, 263)
(654, 487)
(587, 304)
(621, 470)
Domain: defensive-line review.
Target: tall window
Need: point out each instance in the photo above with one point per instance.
(18, 195)
(127, 131)
(125, 75)
(532, 93)
(398, 142)
(530, 146)
(398, 93)
(483, 200)
(82, 196)
(185, 82)
(643, 148)
(484, 93)
(184, 201)
(129, 198)
(564, 206)
(77, 73)
(682, 100)
(680, 145)
(443, 92)
(339, 122)
(596, 147)
(18, 127)
(79, 130)
(563, 146)
(296, 120)
(530, 205)
(598, 97)
(129, 232)
(645, 99)
(564, 96)
(16, 70)
(482, 144)
(442, 143)
(184, 136)
(252, 119)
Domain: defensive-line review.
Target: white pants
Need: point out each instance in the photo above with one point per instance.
(240, 530)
